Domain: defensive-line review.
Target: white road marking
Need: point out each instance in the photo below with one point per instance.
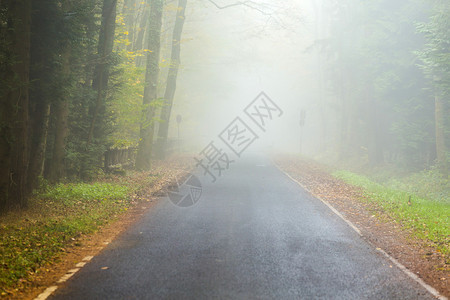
(73, 270)
(88, 258)
(65, 277)
(405, 270)
(80, 264)
(429, 288)
(44, 295)
(326, 203)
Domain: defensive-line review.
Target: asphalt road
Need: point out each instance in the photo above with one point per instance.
(255, 234)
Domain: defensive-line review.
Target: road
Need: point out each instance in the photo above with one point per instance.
(255, 234)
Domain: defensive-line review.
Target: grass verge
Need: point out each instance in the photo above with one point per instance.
(56, 216)
(428, 219)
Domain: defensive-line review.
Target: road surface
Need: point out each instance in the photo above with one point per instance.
(255, 234)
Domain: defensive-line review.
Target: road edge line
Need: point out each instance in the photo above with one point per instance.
(45, 294)
(49, 291)
(404, 269)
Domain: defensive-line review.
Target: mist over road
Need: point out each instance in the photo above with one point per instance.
(254, 234)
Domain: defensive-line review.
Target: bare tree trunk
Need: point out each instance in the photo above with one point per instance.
(143, 159)
(441, 151)
(14, 106)
(171, 85)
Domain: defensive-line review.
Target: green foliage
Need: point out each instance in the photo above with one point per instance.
(68, 193)
(126, 109)
(429, 219)
(57, 216)
(435, 56)
(83, 160)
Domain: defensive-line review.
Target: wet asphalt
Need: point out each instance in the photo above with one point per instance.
(254, 234)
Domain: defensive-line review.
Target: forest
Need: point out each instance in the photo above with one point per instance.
(81, 77)
(110, 110)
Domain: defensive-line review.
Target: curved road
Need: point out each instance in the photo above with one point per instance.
(255, 234)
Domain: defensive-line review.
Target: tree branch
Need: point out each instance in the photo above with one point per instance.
(250, 4)
(229, 5)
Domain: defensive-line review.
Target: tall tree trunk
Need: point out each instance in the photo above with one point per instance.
(441, 151)
(38, 143)
(129, 15)
(14, 106)
(42, 75)
(60, 110)
(143, 159)
(141, 29)
(318, 35)
(342, 143)
(139, 42)
(61, 113)
(105, 47)
(374, 146)
(171, 85)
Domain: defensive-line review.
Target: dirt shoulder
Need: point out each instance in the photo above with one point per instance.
(90, 245)
(377, 227)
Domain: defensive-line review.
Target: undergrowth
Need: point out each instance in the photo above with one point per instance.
(56, 216)
(428, 218)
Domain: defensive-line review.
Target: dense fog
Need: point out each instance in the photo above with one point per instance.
(354, 68)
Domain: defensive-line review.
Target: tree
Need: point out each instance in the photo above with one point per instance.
(105, 48)
(379, 97)
(435, 59)
(143, 159)
(15, 29)
(46, 85)
(171, 84)
(61, 110)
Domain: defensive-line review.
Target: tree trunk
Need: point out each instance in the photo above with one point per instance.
(141, 30)
(374, 146)
(441, 151)
(128, 12)
(318, 35)
(61, 113)
(105, 47)
(342, 143)
(38, 143)
(43, 73)
(14, 105)
(171, 85)
(143, 159)
(140, 35)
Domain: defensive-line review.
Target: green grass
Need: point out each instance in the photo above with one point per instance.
(56, 217)
(427, 218)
